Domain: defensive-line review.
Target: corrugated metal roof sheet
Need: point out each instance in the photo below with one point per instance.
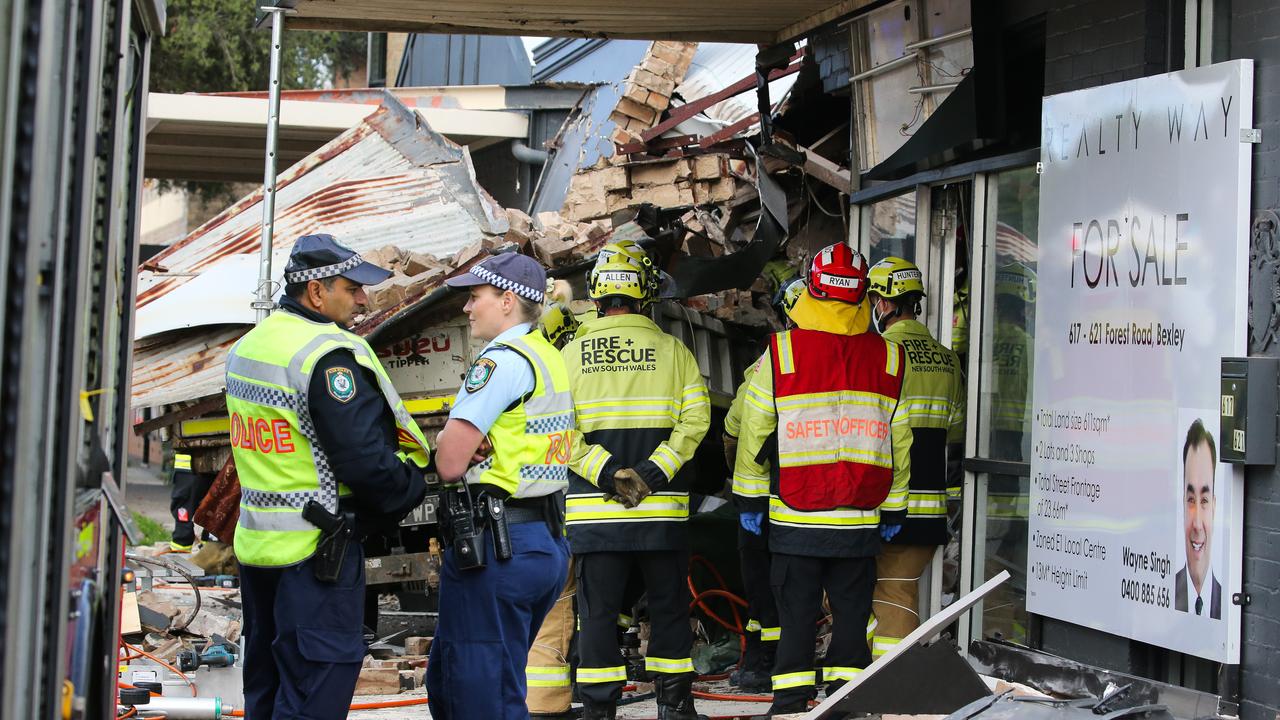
(719, 65)
(181, 366)
(389, 181)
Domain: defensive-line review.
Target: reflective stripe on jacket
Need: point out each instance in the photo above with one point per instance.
(835, 532)
(931, 404)
(279, 460)
(640, 402)
(532, 441)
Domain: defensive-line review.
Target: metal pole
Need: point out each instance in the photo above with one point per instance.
(262, 303)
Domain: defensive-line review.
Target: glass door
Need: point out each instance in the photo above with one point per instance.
(997, 465)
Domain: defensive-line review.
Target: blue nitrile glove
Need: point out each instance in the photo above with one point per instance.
(750, 521)
(888, 531)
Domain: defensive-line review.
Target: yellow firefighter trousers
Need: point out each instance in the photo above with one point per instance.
(896, 598)
(547, 671)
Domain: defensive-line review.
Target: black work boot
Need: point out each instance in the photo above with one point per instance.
(788, 709)
(675, 697)
(750, 659)
(598, 711)
(757, 676)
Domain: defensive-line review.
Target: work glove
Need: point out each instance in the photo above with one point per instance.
(750, 521)
(730, 450)
(889, 530)
(629, 488)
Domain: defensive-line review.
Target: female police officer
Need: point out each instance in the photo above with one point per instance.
(515, 398)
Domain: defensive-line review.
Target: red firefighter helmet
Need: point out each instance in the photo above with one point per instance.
(838, 273)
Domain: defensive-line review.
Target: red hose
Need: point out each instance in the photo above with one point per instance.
(721, 592)
(733, 698)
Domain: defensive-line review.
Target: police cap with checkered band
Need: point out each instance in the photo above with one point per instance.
(316, 257)
(518, 273)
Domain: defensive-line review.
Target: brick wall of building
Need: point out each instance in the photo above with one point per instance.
(1254, 32)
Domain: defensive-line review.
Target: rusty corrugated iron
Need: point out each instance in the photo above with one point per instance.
(389, 181)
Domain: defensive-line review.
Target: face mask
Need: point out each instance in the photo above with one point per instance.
(879, 320)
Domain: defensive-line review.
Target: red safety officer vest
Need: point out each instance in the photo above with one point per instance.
(835, 396)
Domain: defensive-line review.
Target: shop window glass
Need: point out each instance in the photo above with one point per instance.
(1004, 427)
(1010, 304)
(1003, 546)
(892, 228)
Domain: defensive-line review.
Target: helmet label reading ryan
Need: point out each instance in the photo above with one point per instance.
(848, 283)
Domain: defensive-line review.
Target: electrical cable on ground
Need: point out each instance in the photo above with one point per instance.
(163, 663)
(187, 576)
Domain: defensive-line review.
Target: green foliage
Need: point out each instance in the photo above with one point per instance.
(213, 46)
(152, 531)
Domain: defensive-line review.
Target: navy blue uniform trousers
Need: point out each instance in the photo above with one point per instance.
(489, 618)
(303, 640)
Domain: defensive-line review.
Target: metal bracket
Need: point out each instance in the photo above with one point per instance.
(1242, 599)
(116, 500)
(1250, 135)
(1039, 168)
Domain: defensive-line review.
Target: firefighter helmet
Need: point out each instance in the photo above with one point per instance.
(838, 273)
(617, 260)
(894, 277)
(619, 277)
(789, 294)
(558, 324)
(1016, 280)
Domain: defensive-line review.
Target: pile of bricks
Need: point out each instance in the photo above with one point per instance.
(614, 184)
(646, 92)
(551, 238)
(396, 675)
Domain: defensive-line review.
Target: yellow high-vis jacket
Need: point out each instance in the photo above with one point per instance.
(932, 405)
(640, 403)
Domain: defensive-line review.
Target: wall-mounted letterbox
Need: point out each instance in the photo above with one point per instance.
(1247, 410)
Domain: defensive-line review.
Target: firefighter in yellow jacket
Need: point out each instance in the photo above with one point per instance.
(547, 674)
(819, 412)
(931, 406)
(642, 409)
(762, 631)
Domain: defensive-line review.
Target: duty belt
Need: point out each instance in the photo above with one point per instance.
(517, 514)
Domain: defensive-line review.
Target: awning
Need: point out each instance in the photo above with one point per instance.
(748, 21)
(220, 137)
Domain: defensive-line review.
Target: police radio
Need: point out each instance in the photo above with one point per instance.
(463, 533)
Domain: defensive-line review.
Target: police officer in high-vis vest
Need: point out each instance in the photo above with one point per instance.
(505, 451)
(320, 440)
(818, 413)
(931, 407)
(642, 408)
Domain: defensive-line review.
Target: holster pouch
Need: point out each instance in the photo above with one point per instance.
(496, 518)
(336, 532)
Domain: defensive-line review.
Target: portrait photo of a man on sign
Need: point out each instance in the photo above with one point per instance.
(1196, 589)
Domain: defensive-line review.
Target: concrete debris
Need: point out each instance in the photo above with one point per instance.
(157, 614)
(602, 190)
(417, 645)
(552, 238)
(210, 622)
(378, 681)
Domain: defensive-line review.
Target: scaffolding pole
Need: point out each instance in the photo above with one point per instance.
(262, 303)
